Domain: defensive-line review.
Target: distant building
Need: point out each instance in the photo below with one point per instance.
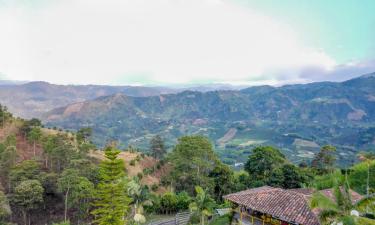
(267, 205)
(239, 164)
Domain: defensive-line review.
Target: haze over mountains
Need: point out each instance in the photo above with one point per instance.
(33, 99)
(297, 118)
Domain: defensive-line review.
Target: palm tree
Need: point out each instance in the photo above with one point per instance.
(139, 198)
(202, 204)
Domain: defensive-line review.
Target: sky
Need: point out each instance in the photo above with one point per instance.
(174, 42)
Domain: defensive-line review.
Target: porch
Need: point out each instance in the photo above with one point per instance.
(251, 217)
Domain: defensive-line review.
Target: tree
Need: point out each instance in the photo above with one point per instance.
(157, 147)
(84, 134)
(83, 140)
(34, 136)
(60, 151)
(75, 188)
(202, 204)
(8, 156)
(262, 161)
(193, 159)
(111, 200)
(28, 195)
(292, 177)
(223, 179)
(26, 170)
(29, 124)
(4, 115)
(5, 210)
(139, 196)
(324, 160)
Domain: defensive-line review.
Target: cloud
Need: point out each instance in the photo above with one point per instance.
(151, 42)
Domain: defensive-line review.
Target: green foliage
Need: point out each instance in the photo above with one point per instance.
(223, 179)
(324, 161)
(62, 223)
(77, 190)
(168, 202)
(202, 204)
(183, 201)
(157, 147)
(333, 210)
(8, 154)
(60, 150)
(358, 176)
(268, 166)
(111, 201)
(292, 177)
(5, 210)
(26, 170)
(34, 136)
(28, 195)
(28, 125)
(222, 220)
(263, 161)
(328, 180)
(193, 159)
(4, 115)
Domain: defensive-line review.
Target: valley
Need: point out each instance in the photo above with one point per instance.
(298, 119)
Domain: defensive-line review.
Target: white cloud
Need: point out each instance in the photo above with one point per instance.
(164, 41)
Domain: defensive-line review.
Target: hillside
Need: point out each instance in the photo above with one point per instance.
(35, 98)
(296, 118)
(141, 163)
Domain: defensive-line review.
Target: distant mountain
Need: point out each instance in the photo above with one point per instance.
(297, 118)
(32, 99)
(11, 82)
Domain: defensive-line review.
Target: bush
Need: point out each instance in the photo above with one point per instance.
(132, 162)
(183, 200)
(140, 176)
(169, 202)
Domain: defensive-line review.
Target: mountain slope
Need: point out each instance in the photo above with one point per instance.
(32, 99)
(35, 98)
(297, 118)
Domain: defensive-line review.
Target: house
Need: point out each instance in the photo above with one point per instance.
(267, 206)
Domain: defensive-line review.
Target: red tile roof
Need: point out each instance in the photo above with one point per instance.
(287, 205)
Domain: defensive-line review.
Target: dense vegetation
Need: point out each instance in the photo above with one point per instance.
(297, 119)
(50, 176)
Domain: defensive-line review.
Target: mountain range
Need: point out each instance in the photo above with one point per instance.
(298, 119)
(33, 99)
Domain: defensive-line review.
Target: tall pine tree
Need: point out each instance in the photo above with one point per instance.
(112, 202)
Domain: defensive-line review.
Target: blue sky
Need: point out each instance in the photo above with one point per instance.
(169, 42)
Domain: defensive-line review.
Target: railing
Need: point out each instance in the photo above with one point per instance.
(180, 219)
(248, 219)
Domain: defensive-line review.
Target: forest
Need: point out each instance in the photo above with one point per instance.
(51, 176)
